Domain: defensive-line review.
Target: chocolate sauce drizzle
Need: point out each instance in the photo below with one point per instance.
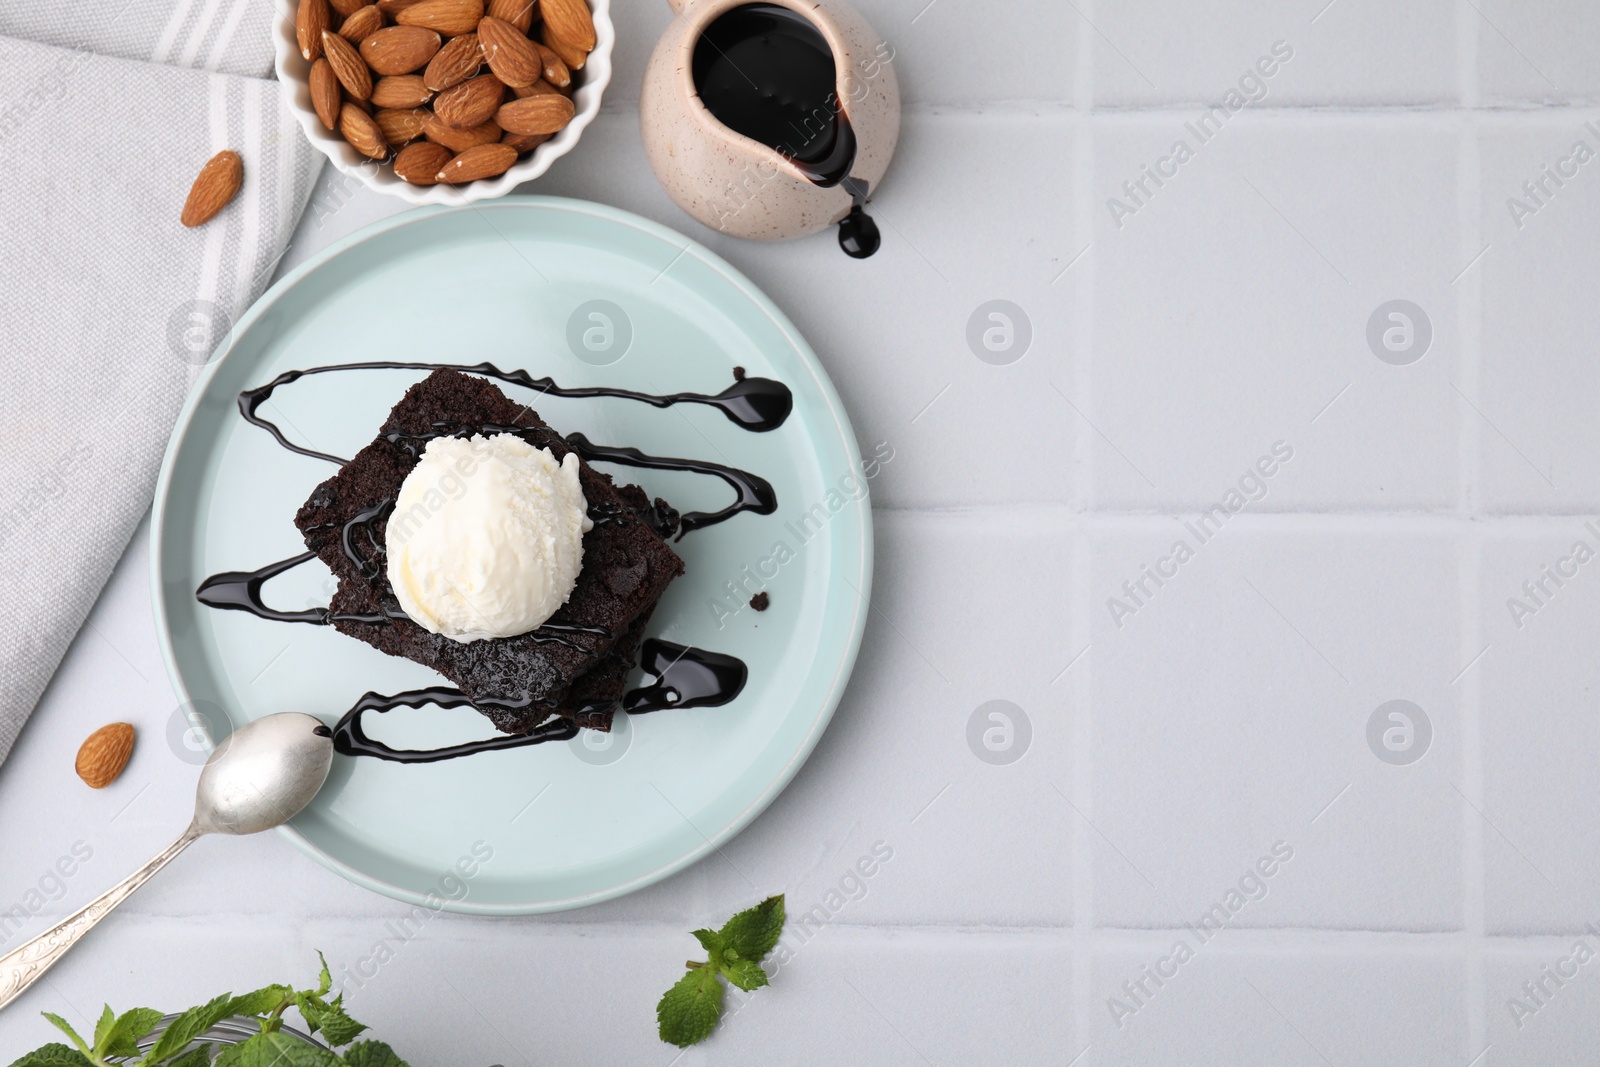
(684, 677)
(754, 404)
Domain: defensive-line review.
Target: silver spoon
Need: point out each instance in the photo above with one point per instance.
(260, 776)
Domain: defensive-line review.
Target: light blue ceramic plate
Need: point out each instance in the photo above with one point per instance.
(567, 823)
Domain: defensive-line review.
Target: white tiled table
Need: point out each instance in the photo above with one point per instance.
(1224, 717)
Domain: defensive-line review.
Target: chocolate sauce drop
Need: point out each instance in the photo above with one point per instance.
(766, 72)
(684, 678)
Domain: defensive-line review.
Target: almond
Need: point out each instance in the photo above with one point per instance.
(525, 142)
(460, 140)
(363, 24)
(400, 49)
(347, 65)
(450, 17)
(401, 125)
(569, 20)
(103, 757)
(484, 161)
(310, 20)
(215, 185)
(517, 12)
(573, 56)
(363, 132)
(401, 90)
(345, 8)
(540, 87)
(542, 113)
(457, 61)
(514, 59)
(472, 103)
(325, 94)
(551, 67)
(392, 8)
(421, 163)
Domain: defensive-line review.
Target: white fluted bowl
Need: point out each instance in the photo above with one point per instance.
(294, 74)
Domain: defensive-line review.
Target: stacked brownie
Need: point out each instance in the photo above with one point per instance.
(577, 664)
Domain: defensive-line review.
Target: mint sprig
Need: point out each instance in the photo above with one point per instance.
(689, 1011)
(117, 1037)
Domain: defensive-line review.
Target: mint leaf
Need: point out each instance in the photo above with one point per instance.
(689, 1011)
(278, 1050)
(746, 974)
(54, 1055)
(713, 943)
(108, 1019)
(122, 1039)
(337, 1027)
(325, 979)
(66, 1028)
(262, 1001)
(188, 1026)
(199, 1056)
(372, 1054)
(754, 933)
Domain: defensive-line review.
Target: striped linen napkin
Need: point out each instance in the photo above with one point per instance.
(108, 306)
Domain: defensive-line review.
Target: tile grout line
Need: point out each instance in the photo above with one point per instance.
(1473, 869)
(1469, 319)
(1079, 691)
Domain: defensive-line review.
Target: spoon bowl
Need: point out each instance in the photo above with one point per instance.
(263, 774)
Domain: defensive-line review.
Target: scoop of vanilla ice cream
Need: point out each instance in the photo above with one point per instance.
(486, 537)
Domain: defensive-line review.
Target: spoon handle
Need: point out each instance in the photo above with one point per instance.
(24, 966)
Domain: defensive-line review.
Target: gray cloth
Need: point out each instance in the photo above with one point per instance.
(231, 36)
(108, 306)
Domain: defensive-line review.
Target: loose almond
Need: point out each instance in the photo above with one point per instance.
(400, 49)
(363, 24)
(573, 56)
(517, 12)
(347, 65)
(525, 142)
(325, 94)
(472, 103)
(458, 60)
(421, 163)
(449, 17)
(363, 133)
(543, 113)
(392, 8)
(310, 21)
(484, 161)
(569, 20)
(401, 90)
(460, 140)
(401, 125)
(103, 757)
(345, 8)
(551, 67)
(216, 184)
(514, 59)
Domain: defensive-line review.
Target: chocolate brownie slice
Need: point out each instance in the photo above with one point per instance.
(519, 681)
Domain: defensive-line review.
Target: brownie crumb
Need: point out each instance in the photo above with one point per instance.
(760, 601)
(738, 374)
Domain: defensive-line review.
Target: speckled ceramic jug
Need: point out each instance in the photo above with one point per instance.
(742, 186)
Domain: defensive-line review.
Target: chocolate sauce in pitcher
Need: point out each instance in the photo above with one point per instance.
(766, 72)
